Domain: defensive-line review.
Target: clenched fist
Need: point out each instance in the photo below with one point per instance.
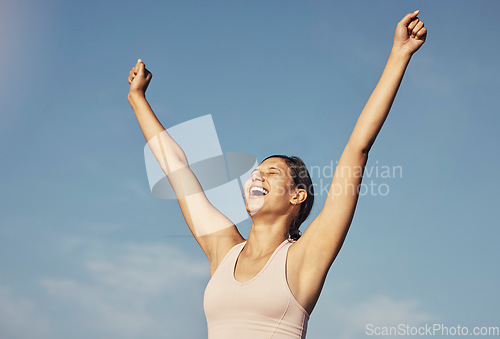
(139, 78)
(410, 34)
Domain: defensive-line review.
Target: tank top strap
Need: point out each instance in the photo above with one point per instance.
(276, 264)
(282, 251)
(226, 266)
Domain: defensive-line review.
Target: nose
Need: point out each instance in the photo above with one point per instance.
(256, 176)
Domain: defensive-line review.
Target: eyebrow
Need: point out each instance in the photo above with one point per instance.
(271, 168)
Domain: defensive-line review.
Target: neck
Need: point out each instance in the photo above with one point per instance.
(265, 235)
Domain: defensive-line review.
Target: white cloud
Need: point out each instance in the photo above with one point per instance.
(133, 291)
(19, 317)
(348, 319)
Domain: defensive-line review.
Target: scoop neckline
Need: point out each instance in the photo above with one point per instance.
(263, 268)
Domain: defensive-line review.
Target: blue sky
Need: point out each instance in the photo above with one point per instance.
(87, 251)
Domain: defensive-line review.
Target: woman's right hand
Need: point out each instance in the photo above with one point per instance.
(139, 78)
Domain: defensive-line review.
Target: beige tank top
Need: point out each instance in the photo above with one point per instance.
(263, 307)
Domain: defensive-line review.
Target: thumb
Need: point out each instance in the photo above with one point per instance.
(136, 67)
(140, 71)
(408, 18)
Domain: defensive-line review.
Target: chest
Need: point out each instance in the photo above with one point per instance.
(255, 287)
(246, 268)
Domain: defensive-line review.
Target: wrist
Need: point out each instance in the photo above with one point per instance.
(135, 95)
(400, 53)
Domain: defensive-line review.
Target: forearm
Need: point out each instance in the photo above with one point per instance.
(160, 142)
(377, 108)
(149, 123)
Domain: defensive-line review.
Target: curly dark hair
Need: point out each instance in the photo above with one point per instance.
(301, 179)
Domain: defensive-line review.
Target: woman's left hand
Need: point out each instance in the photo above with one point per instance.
(410, 34)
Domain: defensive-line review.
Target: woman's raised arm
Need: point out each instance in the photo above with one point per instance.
(321, 242)
(214, 232)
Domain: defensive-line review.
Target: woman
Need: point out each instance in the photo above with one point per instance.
(267, 285)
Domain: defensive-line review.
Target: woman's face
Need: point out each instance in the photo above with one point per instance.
(270, 188)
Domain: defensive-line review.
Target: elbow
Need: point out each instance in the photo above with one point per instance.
(174, 166)
(365, 147)
(176, 163)
(360, 147)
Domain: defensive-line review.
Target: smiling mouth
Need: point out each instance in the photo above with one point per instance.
(256, 191)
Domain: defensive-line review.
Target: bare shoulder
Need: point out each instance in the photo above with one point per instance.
(221, 243)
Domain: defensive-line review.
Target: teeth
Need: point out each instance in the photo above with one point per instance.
(260, 189)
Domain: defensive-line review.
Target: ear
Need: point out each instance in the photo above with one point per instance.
(299, 197)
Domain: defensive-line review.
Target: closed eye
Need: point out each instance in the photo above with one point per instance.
(274, 170)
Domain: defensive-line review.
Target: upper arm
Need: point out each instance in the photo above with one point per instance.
(322, 240)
